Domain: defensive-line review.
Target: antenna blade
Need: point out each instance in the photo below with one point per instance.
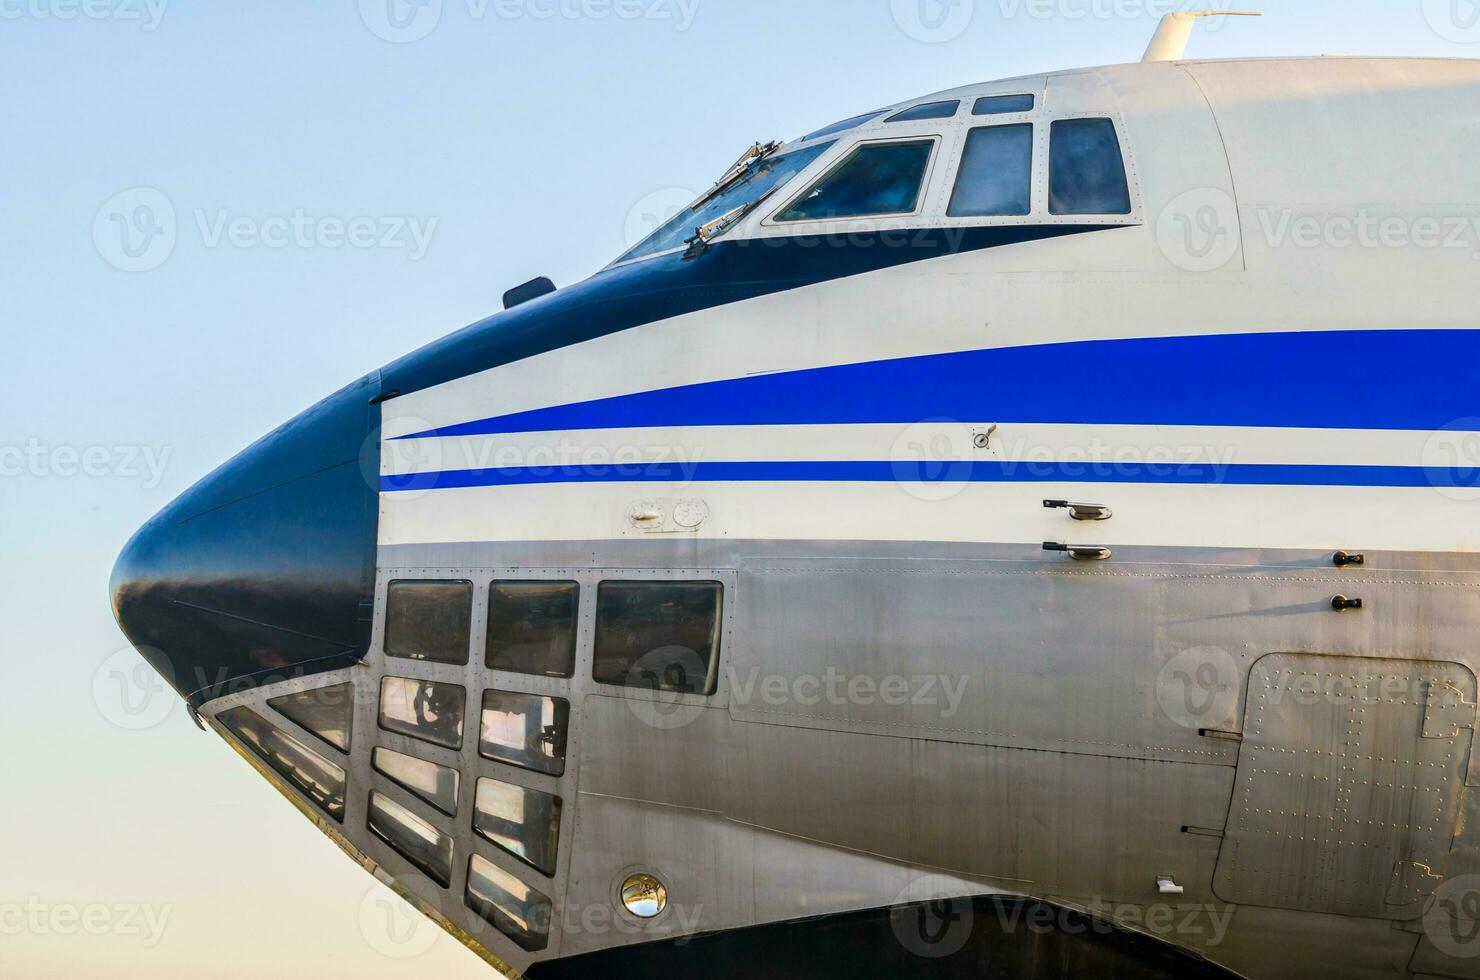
(1175, 30)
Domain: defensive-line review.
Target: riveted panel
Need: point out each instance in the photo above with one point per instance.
(1349, 783)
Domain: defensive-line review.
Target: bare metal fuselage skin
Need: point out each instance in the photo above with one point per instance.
(853, 427)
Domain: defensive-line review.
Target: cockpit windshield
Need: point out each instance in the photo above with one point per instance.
(744, 191)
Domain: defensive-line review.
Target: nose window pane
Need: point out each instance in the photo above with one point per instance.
(525, 730)
(423, 710)
(930, 110)
(878, 179)
(509, 905)
(435, 784)
(663, 636)
(995, 105)
(328, 713)
(318, 778)
(1086, 169)
(996, 176)
(429, 621)
(524, 822)
(532, 627)
(412, 837)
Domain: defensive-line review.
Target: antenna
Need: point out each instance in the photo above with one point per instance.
(1174, 31)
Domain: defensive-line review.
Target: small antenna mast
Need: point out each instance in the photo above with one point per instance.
(1175, 30)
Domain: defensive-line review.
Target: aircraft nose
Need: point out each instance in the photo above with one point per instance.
(264, 570)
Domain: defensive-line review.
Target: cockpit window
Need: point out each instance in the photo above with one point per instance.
(996, 178)
(763, 177)
(876, 179)
(842, 127)
(997, 105)
(1086, 170)
(930, 110)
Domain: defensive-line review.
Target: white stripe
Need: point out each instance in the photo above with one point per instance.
(1316, 518)
(1202, 445)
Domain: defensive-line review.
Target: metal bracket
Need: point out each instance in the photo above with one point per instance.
(1081, 512)
(1080, 552)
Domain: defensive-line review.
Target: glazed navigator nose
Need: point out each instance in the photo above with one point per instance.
(264, 570)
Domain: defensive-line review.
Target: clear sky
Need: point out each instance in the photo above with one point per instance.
(332, 184)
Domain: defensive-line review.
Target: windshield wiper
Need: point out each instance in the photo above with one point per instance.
(707, 233)
(741, 167)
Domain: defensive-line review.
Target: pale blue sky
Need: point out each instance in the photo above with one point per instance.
(520, 138)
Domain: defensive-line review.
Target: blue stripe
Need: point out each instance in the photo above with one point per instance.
(948, 473)
(1366, 379)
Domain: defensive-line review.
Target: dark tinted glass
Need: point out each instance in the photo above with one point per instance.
(1086, 170)
(757, 182)
(316, 777)
(996, 105)
(429, 621)
(930, 110)
(525, 730)
(416, 840)
(996, 175)
(524, 822)
(423, 710)
(328, 712)
(532, 627)
(880, 179)
(435, 784)
(841, 127)
(508, 904)
(663, 636)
